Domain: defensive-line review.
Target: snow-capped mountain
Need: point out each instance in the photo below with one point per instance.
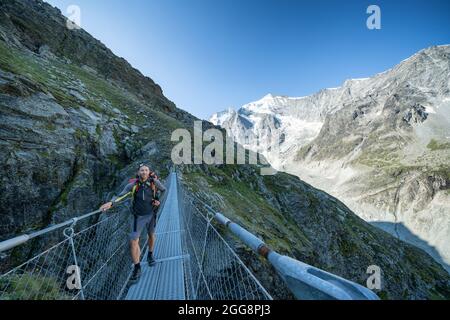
(380, 144)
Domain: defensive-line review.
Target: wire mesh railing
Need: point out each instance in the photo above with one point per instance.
(88, 264)
(213, 271)
(91, 262)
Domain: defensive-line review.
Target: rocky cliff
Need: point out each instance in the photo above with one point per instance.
(75, 120)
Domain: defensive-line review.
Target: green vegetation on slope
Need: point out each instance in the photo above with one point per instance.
(295, 219)
(435, 145)
(31, 287)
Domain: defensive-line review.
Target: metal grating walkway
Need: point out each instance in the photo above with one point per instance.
(164, 280)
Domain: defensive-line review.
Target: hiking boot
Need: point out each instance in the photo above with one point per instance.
(136, 274)
(151, 261)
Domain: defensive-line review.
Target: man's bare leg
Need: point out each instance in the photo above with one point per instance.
(151, 242)
(135, 251)
(151, 246)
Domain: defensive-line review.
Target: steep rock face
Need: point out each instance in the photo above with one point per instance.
(72, 133)
(380, 144)
(23, 21)
(72, 114)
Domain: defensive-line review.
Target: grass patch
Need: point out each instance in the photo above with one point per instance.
(435, 145)
(81, 134)
(98, 130)
(55, 76)
(30, 287)
(17, 62)
(93, 105)
(50, 126)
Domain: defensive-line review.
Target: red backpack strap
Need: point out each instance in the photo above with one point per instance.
(153, 186)
(135, 187)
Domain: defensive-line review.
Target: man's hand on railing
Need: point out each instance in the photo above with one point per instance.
(106, 206)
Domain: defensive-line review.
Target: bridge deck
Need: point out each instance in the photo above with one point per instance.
(164, 280)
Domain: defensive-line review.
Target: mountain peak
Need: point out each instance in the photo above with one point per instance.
(268, 96)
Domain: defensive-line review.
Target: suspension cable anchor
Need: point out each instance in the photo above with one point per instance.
(68, 232)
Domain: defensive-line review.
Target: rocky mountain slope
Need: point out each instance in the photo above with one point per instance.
(381, 145)
(75, 120)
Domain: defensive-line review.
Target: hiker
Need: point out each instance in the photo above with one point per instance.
(144, 191)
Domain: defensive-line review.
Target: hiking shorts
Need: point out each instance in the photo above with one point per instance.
(138, 223)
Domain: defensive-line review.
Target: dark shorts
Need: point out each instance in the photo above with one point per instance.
(138, 223)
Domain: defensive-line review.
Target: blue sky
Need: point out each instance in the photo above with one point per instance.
(209, 55)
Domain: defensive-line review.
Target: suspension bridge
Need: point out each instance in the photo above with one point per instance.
(87, 258)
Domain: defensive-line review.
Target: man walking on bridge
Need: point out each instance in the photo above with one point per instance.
(145, 193)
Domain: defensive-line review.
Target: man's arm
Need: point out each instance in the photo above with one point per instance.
(160, 186)
(123, 193)
(125, 190)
